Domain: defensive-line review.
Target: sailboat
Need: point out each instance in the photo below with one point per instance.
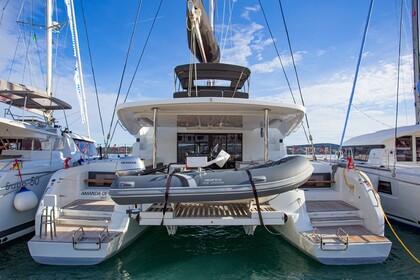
(32, 149)
(334, 217)
(391, 157)
(200, 144)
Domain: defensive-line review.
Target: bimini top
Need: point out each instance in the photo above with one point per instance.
(226, 80)
(210, 113)
(22, 96)
(381, 136)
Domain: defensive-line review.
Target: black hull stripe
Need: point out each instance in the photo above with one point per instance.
(16, 228)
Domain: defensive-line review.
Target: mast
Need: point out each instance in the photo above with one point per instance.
(415, 24)
(211, 14)
(200, 33)
(49, 27)
(80, 87)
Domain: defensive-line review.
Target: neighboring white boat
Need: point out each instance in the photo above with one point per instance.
(394, 169)
(391, 157)
(32, 149)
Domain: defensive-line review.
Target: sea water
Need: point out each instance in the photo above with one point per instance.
(215, 253)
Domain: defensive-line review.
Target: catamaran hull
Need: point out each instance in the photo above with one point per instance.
(65, 253)
(14, 223)
(208, 186)
(355, 254)
(401, 204)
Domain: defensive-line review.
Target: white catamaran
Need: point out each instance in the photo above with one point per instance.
(391, 157)
(32, 149)
(334, 217)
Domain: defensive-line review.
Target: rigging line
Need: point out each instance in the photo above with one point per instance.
(296, 73)
(69, 115)
(407, 47)
(227, 28)
(31, 30)
(124, 68)
(223, 20)
(93, 72)
(143, 50)
(281, 62)
(2, 11)
(27, 60)
(140, 58)
(398, 90)
(57, 77)
(277, 51)
(14, 55)
(115, 127)
(39, 57)
(357, 72)
(21, 9)
(78, 119)
(370, 117)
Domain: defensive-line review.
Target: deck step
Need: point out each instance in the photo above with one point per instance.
(85, 213)
(328, 206)
(84, 221)
(332, 214)
(337, 221)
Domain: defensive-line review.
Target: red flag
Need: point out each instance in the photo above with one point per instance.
(350, 163)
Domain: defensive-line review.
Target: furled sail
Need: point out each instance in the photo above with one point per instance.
(201, 39)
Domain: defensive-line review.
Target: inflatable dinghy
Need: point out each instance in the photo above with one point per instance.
(210, 186)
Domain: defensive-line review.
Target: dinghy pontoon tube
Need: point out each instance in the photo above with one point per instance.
(209, 185)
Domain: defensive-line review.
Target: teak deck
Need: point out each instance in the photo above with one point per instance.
(328, 205)
(219, 210)
(65, 234)
(356, 233)
(91, 205)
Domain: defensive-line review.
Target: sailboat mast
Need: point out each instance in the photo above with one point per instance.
(83, 105)
(49, 27)
(415, 23)
(211, 14)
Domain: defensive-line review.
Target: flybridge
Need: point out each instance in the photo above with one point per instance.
(232, 77)
(25, 97)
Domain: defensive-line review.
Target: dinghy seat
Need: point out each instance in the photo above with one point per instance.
(100, 179)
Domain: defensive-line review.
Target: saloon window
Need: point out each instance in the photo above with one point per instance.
(361, 153)
(404, 148)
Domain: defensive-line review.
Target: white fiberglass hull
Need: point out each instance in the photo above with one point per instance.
(401, 203)
(340, 224)
(355, 254)
(65, 253)
(15, 223)
(298, 222)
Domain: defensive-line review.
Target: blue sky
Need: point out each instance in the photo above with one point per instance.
(325, 35)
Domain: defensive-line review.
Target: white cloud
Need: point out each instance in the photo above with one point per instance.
(248, 10)
(375, 98)
(274, 64)
(239, 47)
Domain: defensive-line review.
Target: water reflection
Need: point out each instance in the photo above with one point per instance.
(214, 253)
